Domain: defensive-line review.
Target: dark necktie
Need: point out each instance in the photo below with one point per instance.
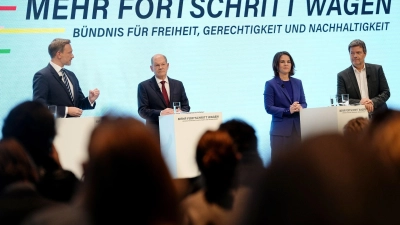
(164, 93)
(65, 80)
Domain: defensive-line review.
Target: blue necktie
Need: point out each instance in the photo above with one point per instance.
(65, 80)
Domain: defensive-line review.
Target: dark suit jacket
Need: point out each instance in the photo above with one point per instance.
(378, 88)
(277, 100)
(49, 89)
(151, 101)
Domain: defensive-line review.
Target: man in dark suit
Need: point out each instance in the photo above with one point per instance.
(52, 87)
(151, 101)
(365, 83)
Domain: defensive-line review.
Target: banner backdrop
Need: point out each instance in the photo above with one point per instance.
(221, 50)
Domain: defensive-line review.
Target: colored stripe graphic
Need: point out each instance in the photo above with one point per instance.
(8, 8)
(5, 51)
(31, 30)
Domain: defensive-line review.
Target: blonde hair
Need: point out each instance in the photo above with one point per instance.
(57, 45)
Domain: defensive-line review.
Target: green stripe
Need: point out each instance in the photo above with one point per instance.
(5, 51)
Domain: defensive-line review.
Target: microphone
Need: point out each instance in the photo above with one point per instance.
(367, 76)
(283, 86)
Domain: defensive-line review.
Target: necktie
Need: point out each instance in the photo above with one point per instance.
(65, 80)
(164, 92)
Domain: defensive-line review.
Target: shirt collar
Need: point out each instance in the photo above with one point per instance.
(159, 80)
(355, 69)
(56, 67)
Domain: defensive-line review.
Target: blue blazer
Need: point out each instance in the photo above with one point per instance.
(151, 101)
(49, 89)
(277, 100)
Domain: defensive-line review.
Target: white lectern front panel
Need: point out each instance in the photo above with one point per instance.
(179, 134)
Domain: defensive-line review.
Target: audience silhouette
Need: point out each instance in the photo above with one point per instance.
(356, 127)
(126, 180)
(325, 179)
(328, 179)
(384, 136)
(245, 140)
(220, 200)
(32, 124)
(18, 177)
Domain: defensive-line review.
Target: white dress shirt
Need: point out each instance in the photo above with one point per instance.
(361, 77)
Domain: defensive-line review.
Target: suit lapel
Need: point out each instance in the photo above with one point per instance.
(59, 79)
(370, 79)
(157, 90)
(296, 94)
(281, 87)
(171, 87)
(352, 77)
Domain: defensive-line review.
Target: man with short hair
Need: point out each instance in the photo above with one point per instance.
(54, 85)
(364, 82)
(152, 102)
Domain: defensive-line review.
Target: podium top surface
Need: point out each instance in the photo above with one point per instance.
(192, 114)
(362, 107)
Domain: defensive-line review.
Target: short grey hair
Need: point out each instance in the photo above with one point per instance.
(156, 55)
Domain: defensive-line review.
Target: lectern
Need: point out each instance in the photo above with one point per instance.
(179, 134)
(315, 121)
(72, 140)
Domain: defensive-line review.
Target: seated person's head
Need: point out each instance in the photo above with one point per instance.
(328, 179)
(31, 124)
(216, 157)
(15, 164)
(242, 134)
(384, 134)
(356, 126)
(125, 166)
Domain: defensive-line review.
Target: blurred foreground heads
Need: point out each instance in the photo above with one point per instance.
(18, 177)
(328, 180)
(126, 181)
(245, 140)
(356, 127)
(384, 134)
(126, 167)
(221, 198)
(33, 126)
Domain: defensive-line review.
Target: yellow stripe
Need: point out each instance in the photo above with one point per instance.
(31, 30)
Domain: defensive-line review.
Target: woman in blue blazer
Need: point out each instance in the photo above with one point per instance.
(283, 99)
